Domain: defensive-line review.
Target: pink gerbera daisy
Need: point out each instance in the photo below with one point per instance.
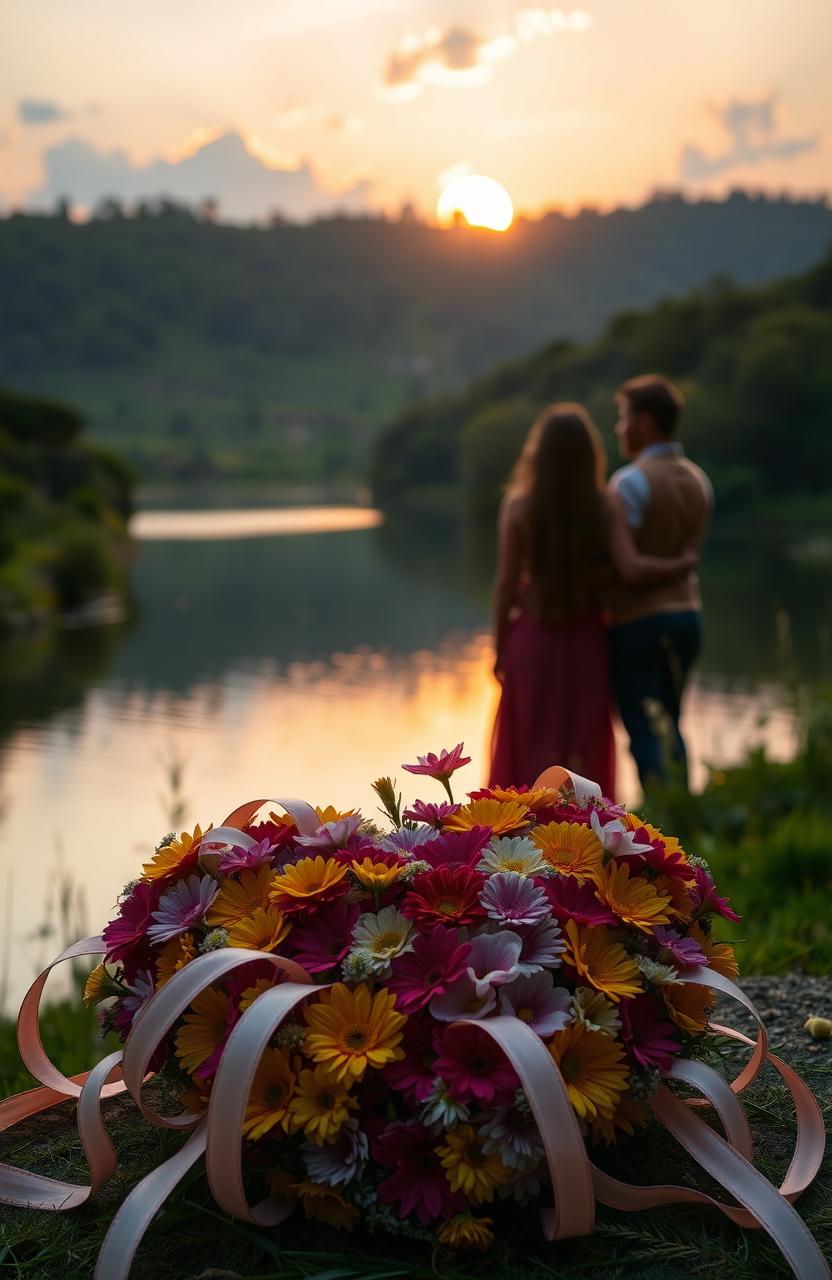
(239, 858)
(183, 906)
(455, 848)
(570, 900)
(325, 940)
(474, 1067)
(536, 1001)
(414, 1075)
(332, 835)
(437, 959)
(440, 766)
(674, 949)
(131, 924)
(431, 814)
(707, 899)
(542, 946)
(449, 894)
(512, 899)
(648, 1040)
(419, 1184)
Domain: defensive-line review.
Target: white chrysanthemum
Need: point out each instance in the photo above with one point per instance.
(529, 1176)
(514, 1134)
(341, 1161)
(441, 1109)
(513, 853)
(379, 936)
(595, 1011)
(660, 975)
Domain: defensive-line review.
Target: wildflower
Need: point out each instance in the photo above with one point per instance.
(569, 848)
(237, 858)
(593, 1069)
(513, 899)
(99, 985)
(437, 959)
(351, 1030)
(676, 950)
(414, 868)
(174, 857)
(635, 901)
(595, 1011)
(469, 1168)
(342, 1160)
(440, 767)
(466, 1232)
(602, 961)
(239, 896)
(707, 900)
(183, 906)
(385, 789)
(502, 816)
(418, 1184)
(473, 1066)
(513, 853)
(648, 1040)
(268, 1102)
(320, 1105)
(432, 814)
(308, 883)
(378, 937)
(536, 1001)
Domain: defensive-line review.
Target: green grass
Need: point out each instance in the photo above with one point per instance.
(191, 1239)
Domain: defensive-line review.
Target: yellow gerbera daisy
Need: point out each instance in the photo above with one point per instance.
(604, 963)
(680, 906)
(502, 816)
(593, 1067)
(195, 1097)
(251, 993)
(468, 1167)
(240, 895)
(634, 900)
(173, 956)
(570, 848)
(629, 1115)
(324, 1204)
(376, 875)
(689, 1006)
(331, 814)
(543, 798)
(351, 1030)
(166, 861)
(99, 985)
(203, 1028)
(261, 931)
(307, 879)
(268, 1102)
(719, 955)
(465, 1232)
(320, 1105)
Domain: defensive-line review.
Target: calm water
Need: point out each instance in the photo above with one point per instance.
(303, 652)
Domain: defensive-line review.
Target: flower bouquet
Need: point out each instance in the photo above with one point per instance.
(399, 1026)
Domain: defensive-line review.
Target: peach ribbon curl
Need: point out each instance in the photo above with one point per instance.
(576, 1183)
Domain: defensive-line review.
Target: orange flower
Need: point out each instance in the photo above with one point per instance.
(502, 816)
(629, 1115)
(351, 1030)
(376, 875)
(261, 931)
(689, 1006)
(325, 1204)
(240, 895)
(543, 798)
(174, 857)
(312, 878)
(680, 905)
(570, 848)
(635, 901)
(173, 956)
(593, 951)
(719, 955)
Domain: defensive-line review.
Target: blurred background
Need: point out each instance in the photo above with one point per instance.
(282, 290)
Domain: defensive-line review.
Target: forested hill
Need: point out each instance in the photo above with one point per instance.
(753, 363)
(198, 348)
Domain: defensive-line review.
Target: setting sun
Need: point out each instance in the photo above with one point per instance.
(480, 200)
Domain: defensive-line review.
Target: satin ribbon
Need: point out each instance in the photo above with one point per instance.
(576, 1183)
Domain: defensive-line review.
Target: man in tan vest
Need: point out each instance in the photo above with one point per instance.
(656, 630)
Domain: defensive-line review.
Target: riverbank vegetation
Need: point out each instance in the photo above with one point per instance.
(752, 362)
(64, 505)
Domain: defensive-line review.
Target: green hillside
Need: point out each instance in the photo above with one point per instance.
(200, 349)
(753, 363)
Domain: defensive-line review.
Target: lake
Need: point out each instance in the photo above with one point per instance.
(304, 650)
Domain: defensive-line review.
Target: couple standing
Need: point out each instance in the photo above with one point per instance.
(596, 596)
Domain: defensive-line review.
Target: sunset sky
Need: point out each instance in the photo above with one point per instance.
(372, 103)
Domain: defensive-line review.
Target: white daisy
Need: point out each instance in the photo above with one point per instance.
(595, 1011)
(378, 936)
(513, 853)
(660, 975)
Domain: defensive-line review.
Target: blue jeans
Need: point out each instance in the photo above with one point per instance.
(651, 659)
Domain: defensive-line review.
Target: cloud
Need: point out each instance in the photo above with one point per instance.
(224, 167)
(298, 115)
(40, 111)
(755, 137)
(464, 57)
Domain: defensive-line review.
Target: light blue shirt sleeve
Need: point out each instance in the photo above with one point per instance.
(633, 488)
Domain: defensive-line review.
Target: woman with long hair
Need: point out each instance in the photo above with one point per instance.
(561, 538)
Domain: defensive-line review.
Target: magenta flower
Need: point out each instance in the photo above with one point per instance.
(127, 1007)
(707, 899)
(325, 940)
(240, 859)
(183, 906)
(542, 946)
(474, 1068)
(432, 814)
(676, 950)
(455, 848)
(414, 1074)
(131, 924)
(512, 899)
(419, 1184)
(536, 1001)
(442, 766)
(648, 1040)
(437, 959)
(570, 900)
(332, 835)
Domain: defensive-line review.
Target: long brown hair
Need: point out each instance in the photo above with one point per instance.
(560, 473)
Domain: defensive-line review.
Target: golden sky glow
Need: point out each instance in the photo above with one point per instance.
(480, 200)
(597, 102)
